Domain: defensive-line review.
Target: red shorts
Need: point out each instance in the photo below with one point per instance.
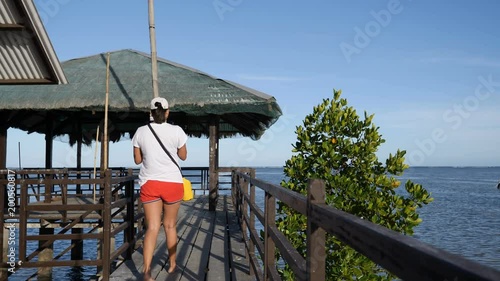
(169, 192)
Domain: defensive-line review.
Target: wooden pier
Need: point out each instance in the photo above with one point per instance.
(236, 240)
(210, 247)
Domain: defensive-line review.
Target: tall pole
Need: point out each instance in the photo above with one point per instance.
(105, 139)
(19, 151)
(152, 37)
(95, 156)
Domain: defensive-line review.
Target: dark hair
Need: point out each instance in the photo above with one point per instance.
(159, 113)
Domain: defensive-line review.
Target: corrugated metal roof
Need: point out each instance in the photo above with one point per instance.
(26, 53)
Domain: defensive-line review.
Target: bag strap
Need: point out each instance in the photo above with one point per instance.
(162, 146)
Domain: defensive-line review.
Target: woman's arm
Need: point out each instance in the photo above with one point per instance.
(182, 152)
(137, 155)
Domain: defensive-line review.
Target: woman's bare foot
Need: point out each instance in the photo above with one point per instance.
(147, 277)
(172, 268)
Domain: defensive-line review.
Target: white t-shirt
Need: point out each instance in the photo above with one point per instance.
(156, 165)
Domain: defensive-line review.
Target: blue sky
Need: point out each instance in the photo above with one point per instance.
(428, 70)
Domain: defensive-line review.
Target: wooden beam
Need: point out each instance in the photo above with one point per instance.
(11, 26)
(25, 81)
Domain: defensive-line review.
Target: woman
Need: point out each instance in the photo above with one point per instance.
(160, 180)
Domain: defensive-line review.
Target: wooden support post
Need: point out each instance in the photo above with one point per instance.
(23, 221)
(104, 152)
(77, 250)
(316, 252)
(49, 135)
(213, 163)
(269, 245)
(129, 231)
(100, 244)
(106, 229)
(47, 254)
(79, 143)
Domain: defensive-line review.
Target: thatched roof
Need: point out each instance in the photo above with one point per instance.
(194, 98)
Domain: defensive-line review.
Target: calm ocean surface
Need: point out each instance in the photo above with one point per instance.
(463, 219)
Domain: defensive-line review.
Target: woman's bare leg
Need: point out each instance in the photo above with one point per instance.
(152, 214)
(170, 212)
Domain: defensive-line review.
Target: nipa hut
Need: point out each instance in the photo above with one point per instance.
(201, 104)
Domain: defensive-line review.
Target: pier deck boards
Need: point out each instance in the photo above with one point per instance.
(210, 247)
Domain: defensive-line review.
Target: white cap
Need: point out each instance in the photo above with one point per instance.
(162, 101)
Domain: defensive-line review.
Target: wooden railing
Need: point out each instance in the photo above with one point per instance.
(49, 197)
(197, 175)
(403, 256)
(105, 205)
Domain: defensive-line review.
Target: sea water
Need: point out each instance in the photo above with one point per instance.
(463, 219)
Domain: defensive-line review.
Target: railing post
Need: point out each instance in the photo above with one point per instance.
(77, 250)
(241, 183)
(48, 187)
(315, 260)
(64, 194)
(244, 213)
(46, 254)
(205, 180)
(233, 184)
(106, 229)
(129, 232)
(23, 220)
(269, 246)
(251, 245)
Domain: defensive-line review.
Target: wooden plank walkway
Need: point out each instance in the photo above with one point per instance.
(210, 247)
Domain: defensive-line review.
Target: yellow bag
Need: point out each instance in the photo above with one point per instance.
(188, 190)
